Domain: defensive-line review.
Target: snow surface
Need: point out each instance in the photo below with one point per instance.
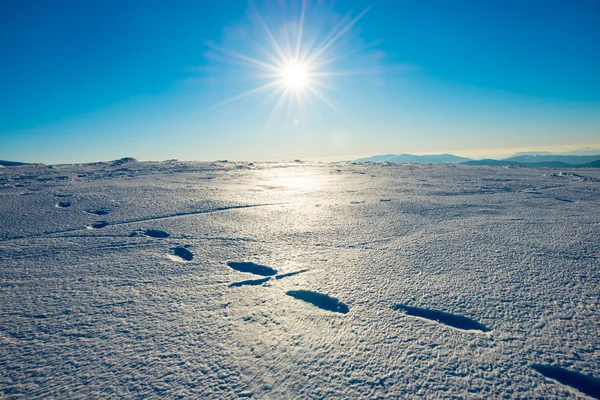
(155, 280)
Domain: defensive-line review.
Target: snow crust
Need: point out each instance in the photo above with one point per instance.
(115, 282)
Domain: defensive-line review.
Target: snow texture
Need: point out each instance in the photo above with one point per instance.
(298, 280)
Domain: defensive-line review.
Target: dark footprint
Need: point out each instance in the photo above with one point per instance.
(155, 233)
(63, 204)
(290, 274)
(97, 225)
(98, 212)
(584, 383)
(320, 300)
(252, 268)
(453, 320)
(251, 282)
(181, 254)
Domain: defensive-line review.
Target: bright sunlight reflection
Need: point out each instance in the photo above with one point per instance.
(292, 181)
(293, 66)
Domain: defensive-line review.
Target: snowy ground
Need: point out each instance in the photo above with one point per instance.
(136, 281)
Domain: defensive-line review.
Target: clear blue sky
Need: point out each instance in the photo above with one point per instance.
(102, 79)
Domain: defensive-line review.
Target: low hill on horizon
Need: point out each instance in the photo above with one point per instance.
(420, 159)
(532, 160)
(5, 163)
(568, 159)
(542, 164)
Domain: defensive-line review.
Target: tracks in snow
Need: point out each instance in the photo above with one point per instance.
(320, 300)
(140, 220)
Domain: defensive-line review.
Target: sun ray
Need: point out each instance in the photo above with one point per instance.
(275, 61)
(312, 106)
(251, 61)
(310, 47)
(266, 100)
(323, 85)
(300, 30)
(240, 96)
(326, 101)
(299, 97)
(289, 107)
(284, 95)
(326, 45)
(325, 62)
(274, 42)
(340, 73)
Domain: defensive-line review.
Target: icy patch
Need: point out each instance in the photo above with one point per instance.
(584, 383)
(252, 268)
(453, 320)
(320, 300)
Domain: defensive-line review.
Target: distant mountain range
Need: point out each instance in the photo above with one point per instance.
(568, 159)
(538, 164)
(585, 151)
(406, 158)
(527, 160)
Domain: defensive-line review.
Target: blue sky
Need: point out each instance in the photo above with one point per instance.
(97, 80)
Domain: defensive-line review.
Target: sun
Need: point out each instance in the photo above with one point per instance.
(295, 64)
(294, 75)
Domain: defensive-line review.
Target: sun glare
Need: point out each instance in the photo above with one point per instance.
(296, 69)
(294, 75)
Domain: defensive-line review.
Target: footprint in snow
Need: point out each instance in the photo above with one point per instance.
(181, 254)
(97, 225)
(584, 383)
(256, 269)
(320, 300)
(154, 233)
(453, 320)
